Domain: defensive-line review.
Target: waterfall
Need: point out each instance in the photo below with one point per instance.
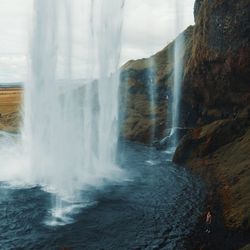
(70, 126)
(178, 74)
(151, 88)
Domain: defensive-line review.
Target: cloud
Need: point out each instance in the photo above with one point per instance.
(149, 25)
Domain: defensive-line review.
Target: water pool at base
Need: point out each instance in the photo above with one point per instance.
(155, 208)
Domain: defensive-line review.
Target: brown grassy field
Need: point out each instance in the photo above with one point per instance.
(10, 104)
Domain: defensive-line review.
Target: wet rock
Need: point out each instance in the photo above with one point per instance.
(203, 141)
(138, 123)
(216, 82)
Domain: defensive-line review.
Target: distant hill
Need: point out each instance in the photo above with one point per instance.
(11, 84)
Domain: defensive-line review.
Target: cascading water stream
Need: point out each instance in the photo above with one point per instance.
(151, 90)
(108, 56)
(152, 105)
(178, 74)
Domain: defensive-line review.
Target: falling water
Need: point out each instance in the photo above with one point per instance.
(178, 74)
(70, 131)
(151, 89)
(152, 105)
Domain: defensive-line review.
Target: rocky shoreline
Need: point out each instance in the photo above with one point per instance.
(220, 238)
(223, 162)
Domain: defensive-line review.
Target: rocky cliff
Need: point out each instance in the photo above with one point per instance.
(216, 64)
(215, 108)
(138, 79)
(216, 82)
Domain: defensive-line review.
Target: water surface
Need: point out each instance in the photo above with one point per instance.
(155, 208)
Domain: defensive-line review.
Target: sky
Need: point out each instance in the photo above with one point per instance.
(149, 25)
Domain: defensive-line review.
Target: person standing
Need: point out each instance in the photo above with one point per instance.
(208, 221)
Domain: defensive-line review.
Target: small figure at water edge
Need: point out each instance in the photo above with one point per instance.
(208, 221)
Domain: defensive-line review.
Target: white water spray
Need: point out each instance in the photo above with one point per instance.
(178, 74)
(69, 135)
(151, 88)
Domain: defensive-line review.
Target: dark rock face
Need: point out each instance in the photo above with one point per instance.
(137, 122)
(223, 25)
(217, 75)
(197, 7)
